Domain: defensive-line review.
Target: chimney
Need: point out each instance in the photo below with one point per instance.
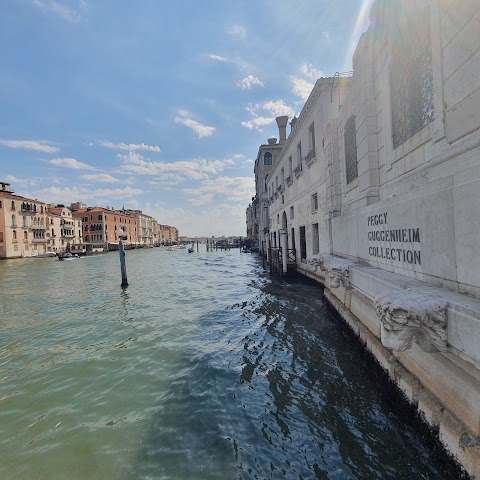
(282, 128)
(272, 141)
(5, 187)
(292, 123)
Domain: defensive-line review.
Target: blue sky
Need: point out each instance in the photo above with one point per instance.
(158, 105)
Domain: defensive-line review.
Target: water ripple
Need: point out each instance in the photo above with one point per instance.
(204, 368)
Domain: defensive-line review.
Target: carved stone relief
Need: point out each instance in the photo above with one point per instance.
(410, 314)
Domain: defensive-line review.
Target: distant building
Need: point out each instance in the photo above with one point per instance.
(22, 225)
(64, 232)
(101, 227)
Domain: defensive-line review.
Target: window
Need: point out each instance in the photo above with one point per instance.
(100, 217)
(315, 239)
(24, 221)
(411, 79)
(13, 205)
(290, 165)
(303, 244)
(14, 220)
(25, 237)
(314, 200)
(299, 155)
(282, 176)
(14, 235)
(278, 219)
(265, 186)
(311, 138)
(276, 182)
(351, 149)
(267, 158)
(292, 213)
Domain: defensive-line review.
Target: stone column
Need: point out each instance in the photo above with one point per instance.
(283, 242)
(267, 245)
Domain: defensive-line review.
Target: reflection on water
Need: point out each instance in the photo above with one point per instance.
(204, 368)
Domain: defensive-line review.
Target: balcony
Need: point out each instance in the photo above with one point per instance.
(298, 170)
(281, 188)
(37, 226)
(39, 240)
(310, 157)
(289, 180)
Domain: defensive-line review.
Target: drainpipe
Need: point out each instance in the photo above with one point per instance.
(330, 233)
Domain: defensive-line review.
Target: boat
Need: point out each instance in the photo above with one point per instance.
(68, 256)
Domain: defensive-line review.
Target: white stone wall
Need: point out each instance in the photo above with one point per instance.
(431, 181)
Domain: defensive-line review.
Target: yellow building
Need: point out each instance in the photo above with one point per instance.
(22, 225)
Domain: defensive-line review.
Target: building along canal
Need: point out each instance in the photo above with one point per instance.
(203, 368)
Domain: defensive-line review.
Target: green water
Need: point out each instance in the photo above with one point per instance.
(204, 368)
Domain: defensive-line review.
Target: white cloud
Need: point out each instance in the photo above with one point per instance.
(70, 163)
(218, 58)
(237, 31)
(310, 71)
(232, 189)
(72, 15)
(301, 87)
(74, 194)
(35, 145)
(197, 169)
(117, 193)
(240, 63)
(248, 82)
(224, 219)
(265, 113)
(167, 179)
(100, 177)
(129, 147)
(184, 117)
(22, 182)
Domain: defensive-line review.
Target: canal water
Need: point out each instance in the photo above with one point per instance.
(204, 368)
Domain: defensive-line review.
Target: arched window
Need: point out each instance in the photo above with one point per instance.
(267, 158)
(265, 184)
(25, 236)
(13, 205)
(41, 209)
(14, 219)
(411, 79)
(14, 235)
(24, 221)
(351, 149)
(100, 217)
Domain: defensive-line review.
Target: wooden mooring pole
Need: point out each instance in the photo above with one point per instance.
(123, 267)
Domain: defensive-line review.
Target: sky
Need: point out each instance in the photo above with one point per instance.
(159, 106)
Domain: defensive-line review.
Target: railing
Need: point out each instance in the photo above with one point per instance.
(37, 226)
(298, 170)
(309, 157)
(276, 259)
(39, 240)
(281, 188)
(289, 180)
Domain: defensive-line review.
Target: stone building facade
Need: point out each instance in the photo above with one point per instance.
(382, 207)
(22, 225)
